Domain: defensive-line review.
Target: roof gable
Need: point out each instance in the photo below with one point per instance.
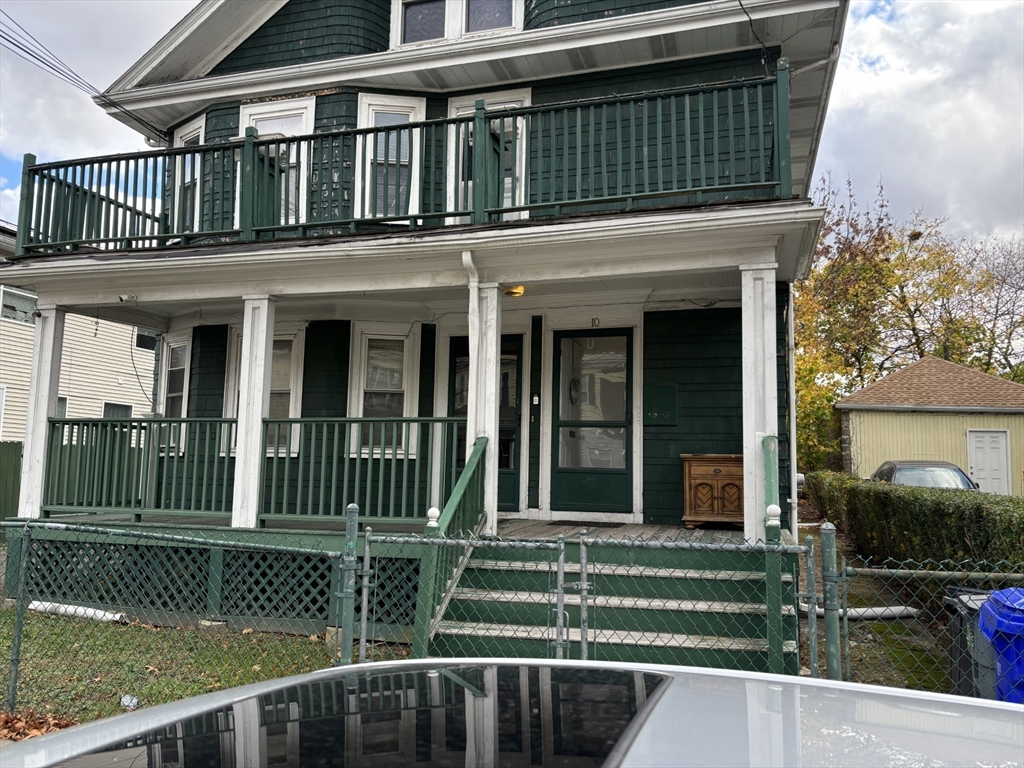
(933, 383)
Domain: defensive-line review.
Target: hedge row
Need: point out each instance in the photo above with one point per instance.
(907, 523)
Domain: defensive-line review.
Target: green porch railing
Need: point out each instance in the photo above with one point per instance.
(727, 141)
(140, 466)
(391, 468)
(463, 515)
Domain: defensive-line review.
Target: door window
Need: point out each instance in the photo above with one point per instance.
(592, 406)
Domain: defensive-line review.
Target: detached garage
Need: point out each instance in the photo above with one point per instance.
(936, 410)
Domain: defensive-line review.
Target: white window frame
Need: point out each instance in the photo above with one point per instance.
(193, 129)
(371, 103)
(306, 109)
(130, 407)
(174, 339)
(362, 332)
(454, 24)
(22, 292)
(460, 106)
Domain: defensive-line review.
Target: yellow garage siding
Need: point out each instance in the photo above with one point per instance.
(877, 436)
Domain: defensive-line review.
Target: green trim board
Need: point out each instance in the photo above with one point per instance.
(585, 436)
(208, 367)
(536, 363)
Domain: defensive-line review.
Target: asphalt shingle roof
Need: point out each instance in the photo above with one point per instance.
(936, 383)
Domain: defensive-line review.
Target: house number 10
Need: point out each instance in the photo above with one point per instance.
(595, 322)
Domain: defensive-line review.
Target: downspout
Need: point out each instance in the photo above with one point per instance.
(474, 349)
(794, 492)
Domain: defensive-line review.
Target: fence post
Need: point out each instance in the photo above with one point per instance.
(24, 236)
(830, 578)
(19, 617)
(349, 565)
(773, 579)
(215, 584)
(247, 184)
(782, 123)
(480, 137)
(560, 600)
(364, 622)
(584, 629)
(812, 609)
(425, 591)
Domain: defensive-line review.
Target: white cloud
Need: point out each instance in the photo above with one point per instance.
(9, 201)
(929, 99)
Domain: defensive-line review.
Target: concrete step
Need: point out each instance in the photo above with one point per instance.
(639, 638)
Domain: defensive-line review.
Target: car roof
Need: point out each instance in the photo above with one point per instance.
(922, 463)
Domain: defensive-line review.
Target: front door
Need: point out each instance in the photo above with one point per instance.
(509, 411)
(593, 414)
(988, 460)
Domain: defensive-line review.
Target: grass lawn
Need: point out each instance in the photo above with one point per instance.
(81, 668)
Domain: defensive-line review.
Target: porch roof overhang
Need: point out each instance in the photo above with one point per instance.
(146, 288)
(171, 83)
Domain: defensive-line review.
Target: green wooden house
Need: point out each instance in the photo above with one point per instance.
(373, 232)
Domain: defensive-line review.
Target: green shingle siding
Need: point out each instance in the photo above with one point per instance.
(222, 123)
(700, 351)
(325, 369)
(428, 347)
(551, 13)
(336, 111)
(206, 374)
(304, 31)
(536, 353)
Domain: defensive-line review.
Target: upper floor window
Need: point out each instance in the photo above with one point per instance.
(387, 165)
(17, 305)
(425, 21)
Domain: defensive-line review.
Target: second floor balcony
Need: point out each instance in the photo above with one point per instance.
(715, 143)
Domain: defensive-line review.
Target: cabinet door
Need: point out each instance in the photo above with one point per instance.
(704, 498)
(730, 497)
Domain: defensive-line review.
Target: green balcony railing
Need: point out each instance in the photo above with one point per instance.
(391, 468)
(706, 143)
(140, 466)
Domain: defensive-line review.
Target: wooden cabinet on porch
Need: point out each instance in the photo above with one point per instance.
(713, 487)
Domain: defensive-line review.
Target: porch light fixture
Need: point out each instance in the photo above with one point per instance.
(515, 290)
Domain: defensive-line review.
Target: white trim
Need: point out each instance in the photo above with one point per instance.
(3, 402)
(454, 24)
(409, 333)
(193, 128)
(370, 104)
(293, 332)
(174, 339)
(304, 107)
(1009, 449)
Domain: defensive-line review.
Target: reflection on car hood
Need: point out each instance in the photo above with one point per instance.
(566, 714)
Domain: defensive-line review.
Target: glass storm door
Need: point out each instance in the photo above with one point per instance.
(593, 408)
(509, 411)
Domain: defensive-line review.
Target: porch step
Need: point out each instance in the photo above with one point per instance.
(610, 601)
(633, 571)
(610, 637)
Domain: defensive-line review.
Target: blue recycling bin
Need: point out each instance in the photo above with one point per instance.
(1002, 622)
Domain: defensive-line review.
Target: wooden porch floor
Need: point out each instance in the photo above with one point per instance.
(542, 529)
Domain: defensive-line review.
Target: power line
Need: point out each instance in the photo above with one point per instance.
(765, 56)
(19, 41)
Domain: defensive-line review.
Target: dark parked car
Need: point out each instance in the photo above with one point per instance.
(568, 714)
(924, 474)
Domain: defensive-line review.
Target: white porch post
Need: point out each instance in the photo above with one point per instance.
(253, 405)
(489, 380)
(760, 395)
(44, 384)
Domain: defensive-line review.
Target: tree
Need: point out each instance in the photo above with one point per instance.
(883, 294)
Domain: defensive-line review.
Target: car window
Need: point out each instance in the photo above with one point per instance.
(931, 477)
(884, 473)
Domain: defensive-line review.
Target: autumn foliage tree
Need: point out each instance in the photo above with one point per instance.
(882, 294)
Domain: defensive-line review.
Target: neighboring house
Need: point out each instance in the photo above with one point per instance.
(106, 368)
(934, 409)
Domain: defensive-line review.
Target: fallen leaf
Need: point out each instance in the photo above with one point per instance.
(30, 723)
(248, 631)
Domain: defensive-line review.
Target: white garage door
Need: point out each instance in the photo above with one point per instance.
(988, 460)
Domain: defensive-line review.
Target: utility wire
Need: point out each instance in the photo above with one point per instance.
(765, 56)
(19, 41)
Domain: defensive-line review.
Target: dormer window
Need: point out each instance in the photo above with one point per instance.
(424, 21)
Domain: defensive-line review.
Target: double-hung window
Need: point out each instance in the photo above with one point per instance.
(282, 161)
(387, 158)
(504, 146)
(383, 383)
(174, 389)
(426, 21)
(17, 305)
(187, 181)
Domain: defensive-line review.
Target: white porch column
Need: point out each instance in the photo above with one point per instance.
(488, 367)
(760, 395)
(253, 406)
(44, 383)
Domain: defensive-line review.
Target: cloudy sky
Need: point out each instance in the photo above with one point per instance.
(929, 100)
